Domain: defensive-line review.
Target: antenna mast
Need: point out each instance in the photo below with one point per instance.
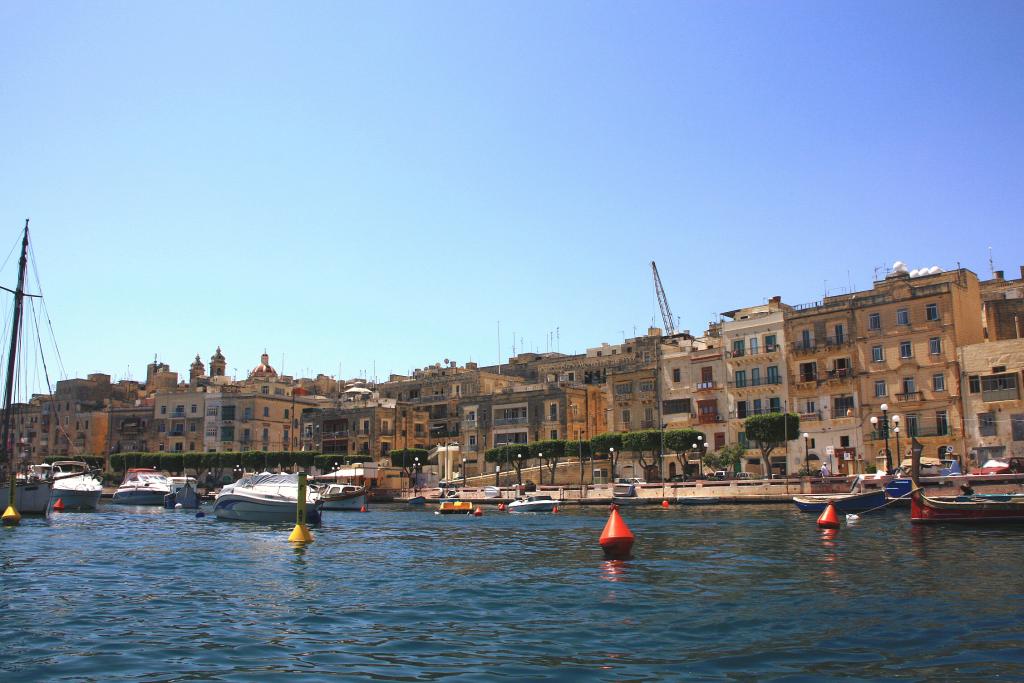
(666, 312)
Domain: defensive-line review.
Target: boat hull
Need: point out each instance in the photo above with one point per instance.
(29, 498)
(545, 506)
(844, 503)
(248, 509)
(967, 509)
(352, 504)
(72, 499)
(139, 497)
(697, 500)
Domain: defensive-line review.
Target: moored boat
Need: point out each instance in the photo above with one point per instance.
(183, 494)
(75, 486)
(533, 502)
(31, 496)
(265, 498)
(343, 497)
(843, 502)
(417, 500)
(454, 507)
(142, 486)
(970, 508)
(698, 500)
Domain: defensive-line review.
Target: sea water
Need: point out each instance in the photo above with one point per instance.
(717, 592)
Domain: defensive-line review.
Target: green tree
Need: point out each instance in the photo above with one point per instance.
(406, 457)
(610, 443)
(549, 452)
(580, 450)
(681, 440)
(770, 431)
(726, 458)
(171, 462)
(641, 442)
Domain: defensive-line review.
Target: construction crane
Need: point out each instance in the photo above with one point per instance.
(666, 312)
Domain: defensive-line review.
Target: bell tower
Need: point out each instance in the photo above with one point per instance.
(218, 364)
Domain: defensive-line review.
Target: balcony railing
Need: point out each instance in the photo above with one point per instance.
(428, 399)
(469, 424)
(839, 373)
(910, 396)
(760, 381)
(739, 353)
(808, 377)
(810, 417)
(708, 418)
(825, 343)
(705, 386)
(503, 421)
(749, 412)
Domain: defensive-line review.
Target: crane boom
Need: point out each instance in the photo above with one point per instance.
(666, 312)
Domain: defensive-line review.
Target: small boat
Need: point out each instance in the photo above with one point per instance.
(265, 498)
(418, 500)
(75, 486)
(343, 497)
(972, 508)
(492, 492)
(843, 502)
(183, 494)
(454, 507)
(142, 486)
(31, 494)
(625, 488)
(533, 502)
(698, 500)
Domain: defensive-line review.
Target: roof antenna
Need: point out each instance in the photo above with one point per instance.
(991, 265)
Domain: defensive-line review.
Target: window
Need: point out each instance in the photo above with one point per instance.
(647, 386)
(906, 350)
(163, 410)
(741, 409)
(810, 407)
(911, 423)
(758, 410)
(472, 439)
(737, 347)
(769, 342)
(840, 334)
(941, 423)
(931, 312)
(974, 384)
(227, 433)
(195, 408)
(286, 413)
(679, 405)
(160, 427)
(880, 389)
(553, 412)
(875, 321)
(987, 424)
(192, 427)
(1000, 388)
(227, 413)
(876, 354)
(266, 434)
(211, 412)
(755, 377)
(841, 405)
(934, 346)
(773, 374)
(740, 378)
(902, 317)
(805, 339)
(625, 417)
(774, 405)
(909, 385)
(676, 375)
(247, 415)
(266, 411)
(753, 345)
(938, 382)
(1017, 427)
(265, 389)
(808, 371)
(624, 388)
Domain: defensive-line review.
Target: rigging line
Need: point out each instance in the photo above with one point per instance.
(10, 252)
(46, 374)
(46, 312)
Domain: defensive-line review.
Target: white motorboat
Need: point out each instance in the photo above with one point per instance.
(265, 498)
(533, 502)
(31, 493)
(342, 497)
(75, 486)
(142, 486)
(492, 492)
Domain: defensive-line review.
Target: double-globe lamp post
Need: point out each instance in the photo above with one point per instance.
(883, 425)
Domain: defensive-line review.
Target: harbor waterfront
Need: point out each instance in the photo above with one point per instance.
(132, 593)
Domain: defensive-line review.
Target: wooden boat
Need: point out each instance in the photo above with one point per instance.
(340, 496)
(970, 509)
(454, 507)
(418, 500)
(843, 502)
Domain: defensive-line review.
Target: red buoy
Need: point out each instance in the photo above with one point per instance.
(59, 505)
(554, 509)
(616, 539)
(829, 519)
(363, 509)
(501, 507)
(613, 507)
(664, 503)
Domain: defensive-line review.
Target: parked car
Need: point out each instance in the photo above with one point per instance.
(744, 475)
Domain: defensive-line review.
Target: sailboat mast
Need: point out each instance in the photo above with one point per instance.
(19, 296)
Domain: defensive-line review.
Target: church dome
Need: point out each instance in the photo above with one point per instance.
(264, 369)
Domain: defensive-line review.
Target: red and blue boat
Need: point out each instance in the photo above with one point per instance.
(971, 508)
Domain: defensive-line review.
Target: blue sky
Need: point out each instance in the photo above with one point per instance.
(381, 183)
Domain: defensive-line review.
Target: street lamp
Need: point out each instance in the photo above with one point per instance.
(884, 426)
(701, 444)
(807, 463)
(896, 430)
(416, 474)
(464, 472)
(540, 459)
(497, 475)
(611, 461)
(519, 468)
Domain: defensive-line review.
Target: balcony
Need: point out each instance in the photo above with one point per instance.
(504, 421)
(752, 354)
(821, 344)
(433, 398)
(807, 377)
(909, 396)
(838, 374)
(647, 424)
(705, 386)
(810, 417)
(709, 418)
(757, 382)
(469, 424)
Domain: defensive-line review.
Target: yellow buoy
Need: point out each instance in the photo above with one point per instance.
(11, 516)
(301, 533)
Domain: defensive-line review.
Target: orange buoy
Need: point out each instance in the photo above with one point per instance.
(613, 507)
(478, 512)
(616, 539)
(363, 509)
(554, 509)
(829, 519)
(664, 503)
(501, 507)
(59, 505)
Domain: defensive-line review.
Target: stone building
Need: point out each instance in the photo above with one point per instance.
(1003, 307)
(365, 423)
(992, 399)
